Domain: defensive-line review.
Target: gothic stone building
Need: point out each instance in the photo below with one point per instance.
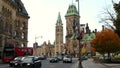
(53, 49)
(71, 17)
(13, 23)
(58, 36)
(72, 45)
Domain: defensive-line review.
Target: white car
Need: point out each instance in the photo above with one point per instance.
(67, 59)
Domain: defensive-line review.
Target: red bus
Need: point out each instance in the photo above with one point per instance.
(10, 52)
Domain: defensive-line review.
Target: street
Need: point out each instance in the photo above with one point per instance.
(60, 64)
(86, 64)
(5, 65)
(47, 64)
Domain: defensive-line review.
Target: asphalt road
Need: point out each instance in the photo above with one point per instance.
(47, 64)
(6, 65)
(86, 64)
(60, 64)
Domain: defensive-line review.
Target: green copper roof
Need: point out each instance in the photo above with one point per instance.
(88, 37)
(59, 21)
(72, 10)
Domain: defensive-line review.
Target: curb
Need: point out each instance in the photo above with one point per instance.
(111, 65)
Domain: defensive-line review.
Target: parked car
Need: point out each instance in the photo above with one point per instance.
(84, 57)
(53, 59)
(60, 58)
(42, 57)
(31, 62)
(15, 62)
(67, 58)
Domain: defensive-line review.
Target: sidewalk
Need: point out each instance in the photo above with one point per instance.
(91, 64)
(111, 65)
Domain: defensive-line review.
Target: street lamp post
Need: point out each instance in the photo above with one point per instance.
(79, 38)
(36, 45)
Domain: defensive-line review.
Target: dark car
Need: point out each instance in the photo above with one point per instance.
(53, 59)
(42, 57)
(84, 57)
(15, 62)
(31, 62)
(67, 59)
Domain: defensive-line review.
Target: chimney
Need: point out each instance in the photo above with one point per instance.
(89, 32)
(87, 28)
(103, 27)
(95, 30)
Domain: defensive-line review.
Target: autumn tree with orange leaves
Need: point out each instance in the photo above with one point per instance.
(106, 41)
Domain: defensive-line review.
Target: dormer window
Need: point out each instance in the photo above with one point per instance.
(19, 10)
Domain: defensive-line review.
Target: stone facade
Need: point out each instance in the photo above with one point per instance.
(71, 18)
(58, 36)
(47, 49)
(71, 45)
(13, 23)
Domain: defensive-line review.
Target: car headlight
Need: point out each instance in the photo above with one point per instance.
(16, 63)
(28, 64)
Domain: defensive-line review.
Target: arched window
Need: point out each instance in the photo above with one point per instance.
(23, 35)
(22, 45)
(23, 26)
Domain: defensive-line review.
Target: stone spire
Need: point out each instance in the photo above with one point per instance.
(59, 21)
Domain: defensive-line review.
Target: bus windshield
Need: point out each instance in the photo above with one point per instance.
(8, 52)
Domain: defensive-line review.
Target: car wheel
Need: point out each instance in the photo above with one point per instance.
(40, 65)
(10, 65)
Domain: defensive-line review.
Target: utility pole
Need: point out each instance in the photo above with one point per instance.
(79, 38)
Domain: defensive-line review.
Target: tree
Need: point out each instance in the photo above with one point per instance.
(112, 19)
(116, 21)
(106, 41)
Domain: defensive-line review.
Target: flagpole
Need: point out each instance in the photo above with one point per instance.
(80, 60)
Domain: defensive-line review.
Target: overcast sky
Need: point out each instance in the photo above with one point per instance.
(43, 16)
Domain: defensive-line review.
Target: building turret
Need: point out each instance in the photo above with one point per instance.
(87, 29)
(72, 10)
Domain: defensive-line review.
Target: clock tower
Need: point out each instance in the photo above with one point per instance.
(58, 36)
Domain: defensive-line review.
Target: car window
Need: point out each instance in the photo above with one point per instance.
(68, 56)
(27, 59)
(35, 58)
(18, 58)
